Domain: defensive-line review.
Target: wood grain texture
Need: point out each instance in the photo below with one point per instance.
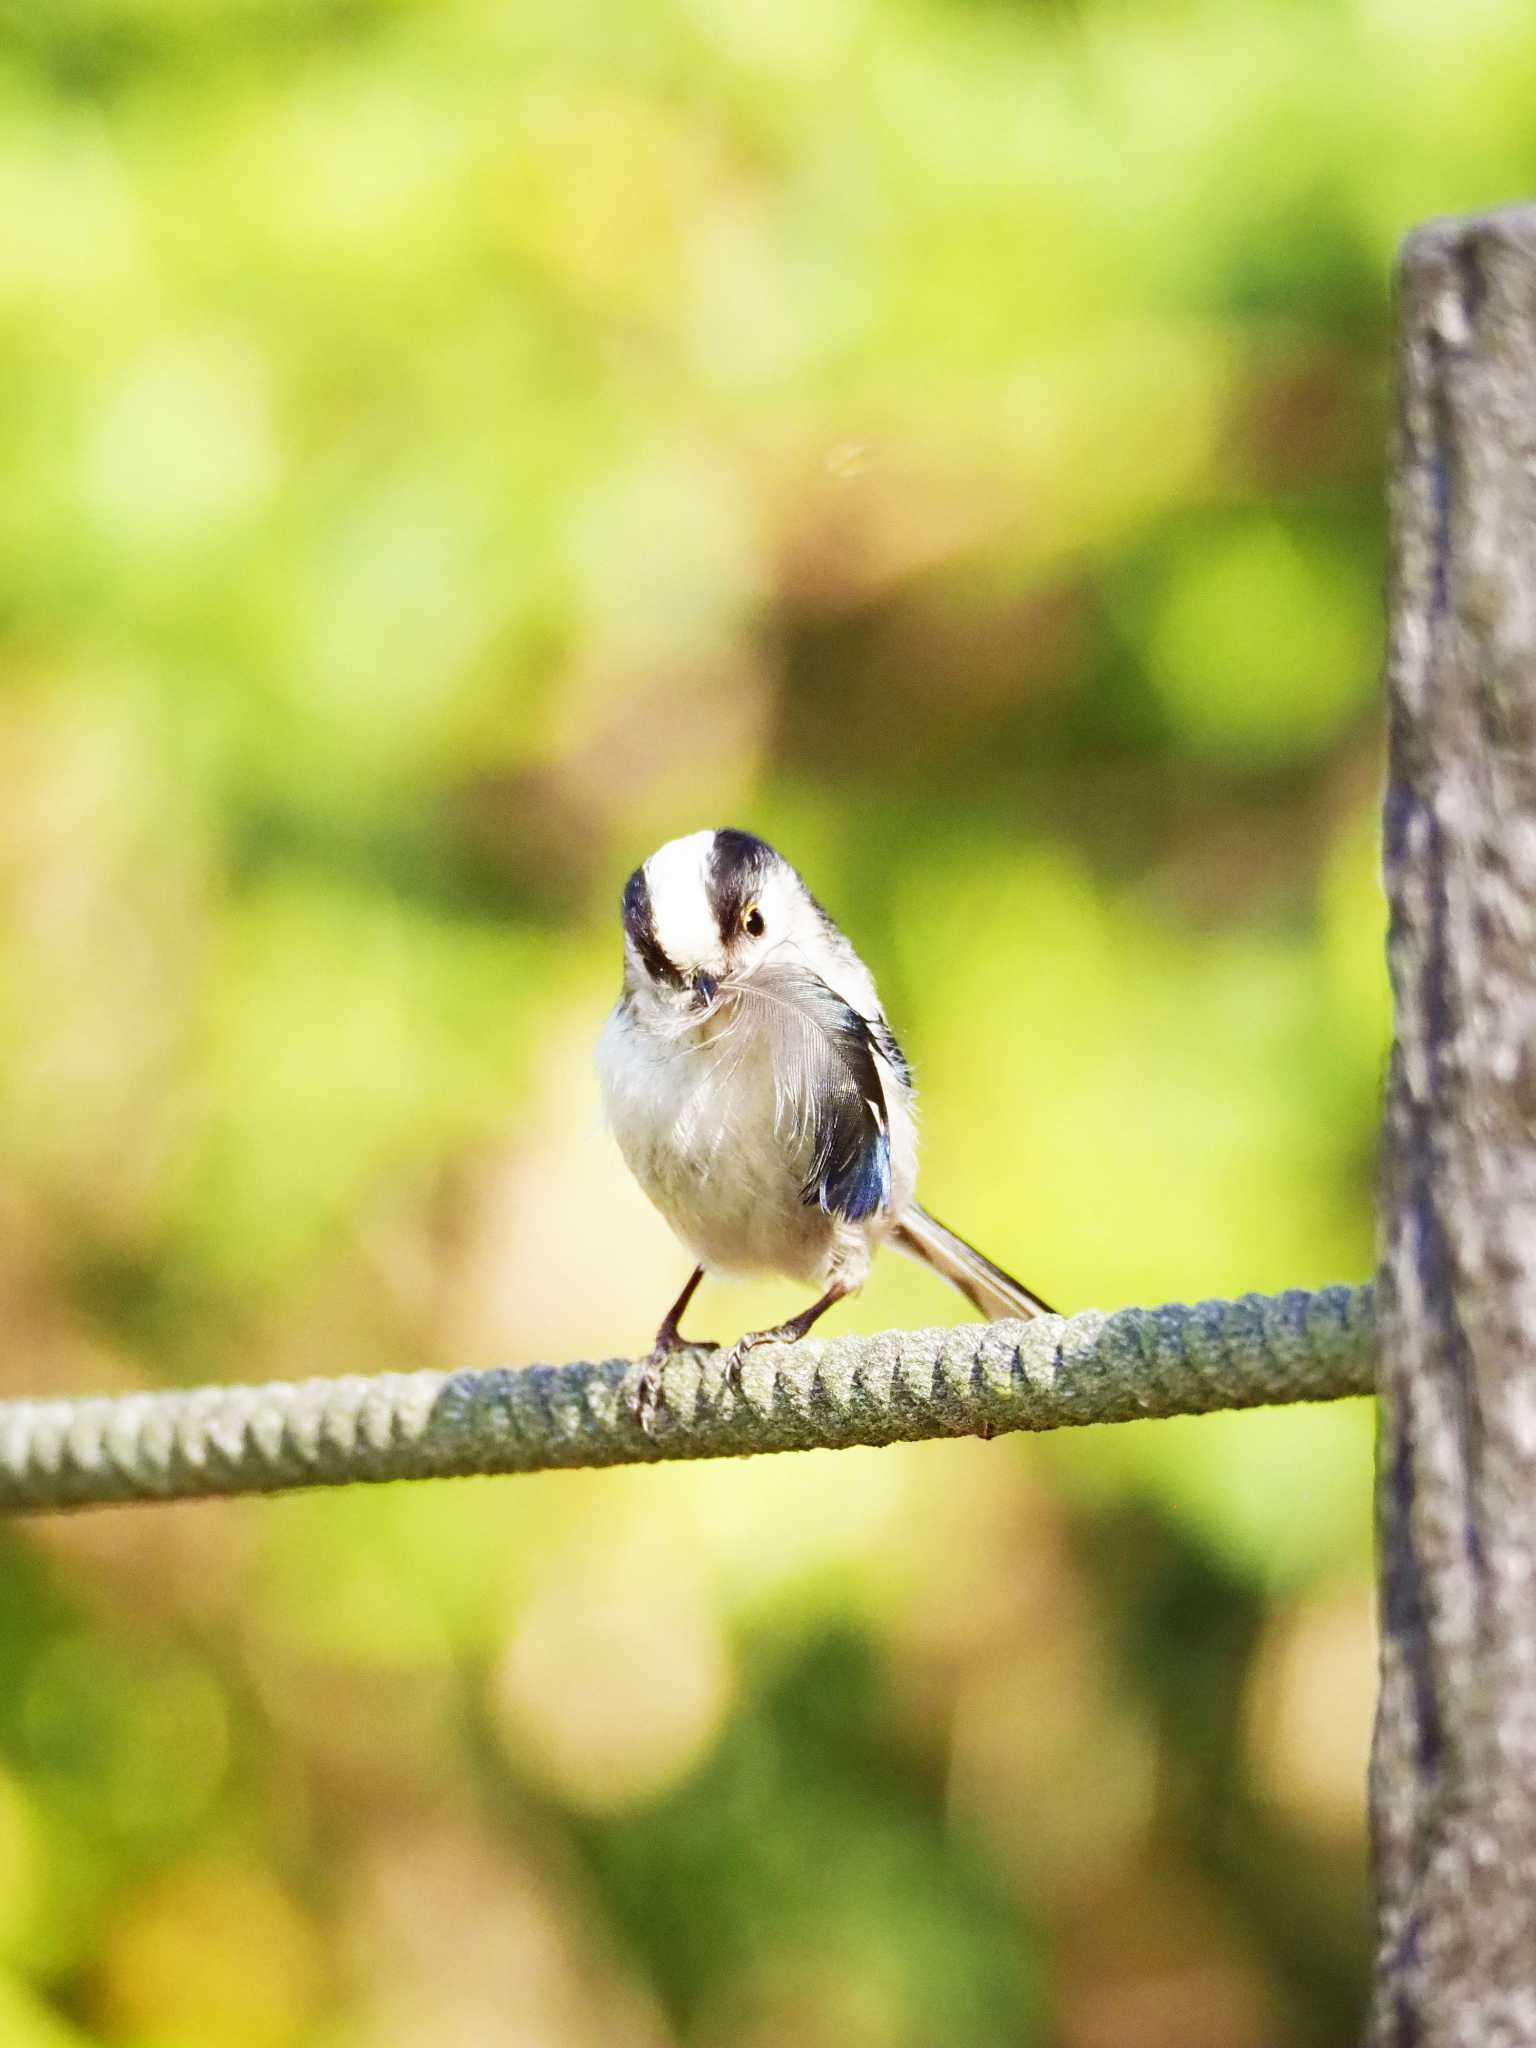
(1453, 1773)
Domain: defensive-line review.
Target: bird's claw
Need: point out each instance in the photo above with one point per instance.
(742, 1349)
(651, 1392)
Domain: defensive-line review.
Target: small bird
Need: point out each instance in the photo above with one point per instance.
(759, 1096)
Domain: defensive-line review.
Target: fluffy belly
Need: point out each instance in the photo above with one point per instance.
(699, 1129)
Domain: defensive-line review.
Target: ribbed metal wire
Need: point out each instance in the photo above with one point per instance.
(903, 1385)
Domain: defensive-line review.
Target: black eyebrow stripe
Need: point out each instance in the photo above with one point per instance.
(738, 863)
(640, 927)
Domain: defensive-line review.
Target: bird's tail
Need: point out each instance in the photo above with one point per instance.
(996, 1293)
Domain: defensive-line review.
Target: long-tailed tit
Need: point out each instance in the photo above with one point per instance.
(759, 1096)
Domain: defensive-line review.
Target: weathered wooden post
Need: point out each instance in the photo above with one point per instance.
(1454, 1768)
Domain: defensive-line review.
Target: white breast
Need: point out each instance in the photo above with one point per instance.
(698, 1126)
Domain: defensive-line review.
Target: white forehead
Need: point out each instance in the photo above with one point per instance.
(681, 912)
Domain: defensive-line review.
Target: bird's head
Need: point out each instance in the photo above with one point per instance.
(700, 914)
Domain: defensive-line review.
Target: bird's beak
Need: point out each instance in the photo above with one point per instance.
(705, 989)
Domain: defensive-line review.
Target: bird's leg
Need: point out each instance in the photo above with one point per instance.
(783, 1333)
(669, 1338)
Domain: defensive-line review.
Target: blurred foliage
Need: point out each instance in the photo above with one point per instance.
(450, 448)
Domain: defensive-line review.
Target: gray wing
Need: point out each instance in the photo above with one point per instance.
(827, 1082)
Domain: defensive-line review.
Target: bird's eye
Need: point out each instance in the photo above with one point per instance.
(752, 921)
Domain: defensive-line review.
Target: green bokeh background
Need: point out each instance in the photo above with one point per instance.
(449, 449)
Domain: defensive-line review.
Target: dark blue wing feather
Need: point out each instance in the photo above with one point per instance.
(851, 1164)
(856, 1182)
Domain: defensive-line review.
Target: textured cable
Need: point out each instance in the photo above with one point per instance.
(904, 1385)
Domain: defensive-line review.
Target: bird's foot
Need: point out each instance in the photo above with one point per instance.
(789, 1332)
(651, 1393)
(781, 1333)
